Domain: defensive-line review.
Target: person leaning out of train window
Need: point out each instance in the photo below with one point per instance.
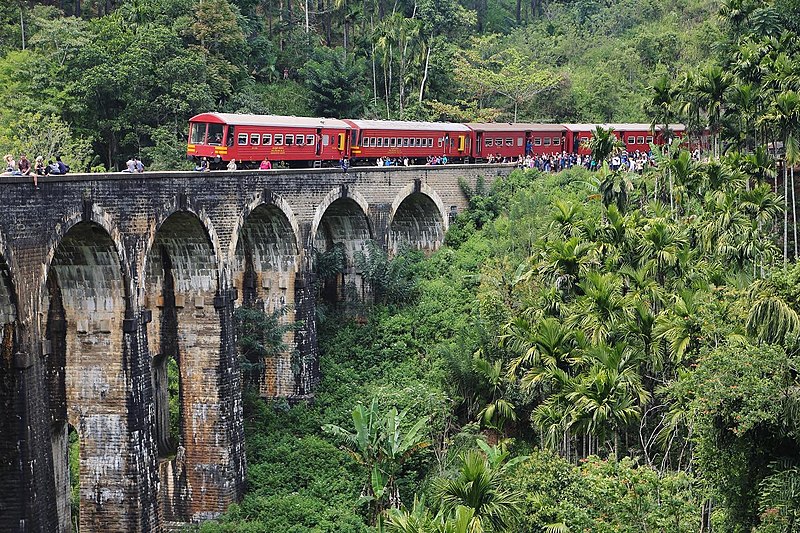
(231, 165)
(265, 165)
(203, 166)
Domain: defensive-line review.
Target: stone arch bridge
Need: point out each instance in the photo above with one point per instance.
(108, 281)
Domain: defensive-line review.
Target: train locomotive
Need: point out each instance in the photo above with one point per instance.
(319, 142)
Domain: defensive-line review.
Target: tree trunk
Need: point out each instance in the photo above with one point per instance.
(794, 215)
(374, 78)
(425, 73)
(785, 215)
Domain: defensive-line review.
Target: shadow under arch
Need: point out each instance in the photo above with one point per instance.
(195, 376)
(265, 269)
(417, 219)
(88, 377)
(340, 231)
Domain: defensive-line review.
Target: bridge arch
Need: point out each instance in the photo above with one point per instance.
(88, 300)
(188, 310)
(264, 268)
(341, 230)
(417, 219)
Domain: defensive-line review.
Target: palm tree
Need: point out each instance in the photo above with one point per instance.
(712, 87)
(661, 243)
(547, 344)
(609, 396)
(498, 410)
(566, 262)
(681, 326)
(481, 487)
(601, 309)
(603, 144)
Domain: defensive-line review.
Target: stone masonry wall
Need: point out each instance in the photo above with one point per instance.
(101, 345)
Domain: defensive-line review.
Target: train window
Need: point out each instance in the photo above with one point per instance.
(489, 142)
(430, 143)
(289, 140)
(519, 141)
(278, 139)
(631, 140)
(326, 140)
(266, 139)
(198, 132)
(399, 142)
(556, 141)
(255, 139)
(649, 139)
(417, 142)
(242, 138)
(509, 141)
(405, 141)
(309, 140)
(441, 142)
(380, 142)
(300, 141)
(537, 141)
(386, 141)
(640, 139)
(547, 141)
(392, 142)
(215, 134)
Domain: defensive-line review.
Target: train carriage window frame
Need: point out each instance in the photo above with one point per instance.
(197, 128)
(288, 140)
(556, 141)
(392, 142)
(509, 141)
(278, 139)
(255, 139)
(380, 142)
(310, 140)
(386, 142)
(430, 142)
(537, 141)
(631, 140)
(405, 142)
(300, 140)
(640, 138)
(519, 142)
(489, 141)
(266, 139)
(547, 141)
(399, 142)
(215, 132)
(441, 142)
(649, 139)
(241, 140)
(326, 140)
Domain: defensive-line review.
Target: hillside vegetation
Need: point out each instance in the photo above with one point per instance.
(99, 82)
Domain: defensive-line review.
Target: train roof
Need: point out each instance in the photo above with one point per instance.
(514, 126)
(407, 125)
(236, 119)
(622, 127)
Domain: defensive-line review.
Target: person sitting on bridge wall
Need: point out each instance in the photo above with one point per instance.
(203, 166)
(24, 166)
(265, 165)
(232, 165)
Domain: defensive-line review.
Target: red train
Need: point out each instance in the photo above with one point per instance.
(305, 141)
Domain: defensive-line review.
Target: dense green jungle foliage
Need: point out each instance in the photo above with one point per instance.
(573, 361)
(99, 81)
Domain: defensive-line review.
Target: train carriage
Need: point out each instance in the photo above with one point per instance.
(512, 140)
(373, 139)
(634, 137)
(298, 141)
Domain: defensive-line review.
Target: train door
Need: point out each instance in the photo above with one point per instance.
(478, 144)
(576, 143)
(318, 142)
(528, 143)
